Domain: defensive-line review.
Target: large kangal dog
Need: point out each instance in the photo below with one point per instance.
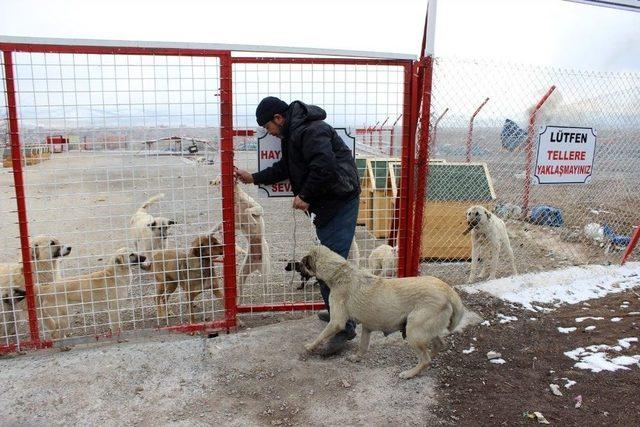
(104, 288)
(423, 308)
(248, 215)
(488, 237)
(149, 232)
(46, 253)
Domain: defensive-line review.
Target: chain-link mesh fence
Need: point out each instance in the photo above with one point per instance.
(479, 136)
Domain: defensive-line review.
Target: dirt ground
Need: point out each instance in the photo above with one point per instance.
(255, 377)
(260, 376)
(473, 391)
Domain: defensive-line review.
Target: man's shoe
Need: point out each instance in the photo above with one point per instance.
(324, 316)
(337, 343)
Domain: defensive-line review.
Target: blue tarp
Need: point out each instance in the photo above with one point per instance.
(546, 215)
(616, 239)
(512, 135)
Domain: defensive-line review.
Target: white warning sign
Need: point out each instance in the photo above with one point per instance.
(565, 155)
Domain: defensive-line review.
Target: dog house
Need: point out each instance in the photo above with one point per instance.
(379, 217)
(384, 218)
(451, 189)
(366, 183)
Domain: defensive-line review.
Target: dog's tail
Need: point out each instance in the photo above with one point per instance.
(457, 313)
(151, 201)
(461, 317)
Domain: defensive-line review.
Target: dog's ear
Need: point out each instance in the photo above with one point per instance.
(488, 213)
(289, 266)
(215, 245)
(152, 224)
(308, 263)
(171, 222)
(119, 260)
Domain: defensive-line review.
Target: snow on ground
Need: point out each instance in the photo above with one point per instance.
(567, 286)
(597, 358)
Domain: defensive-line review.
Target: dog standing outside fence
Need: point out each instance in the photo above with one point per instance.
(323, 177)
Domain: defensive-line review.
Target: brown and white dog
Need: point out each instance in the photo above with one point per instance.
(488, 237)
(104, 288)
(192, 270)
(248, 215)
(149, 232)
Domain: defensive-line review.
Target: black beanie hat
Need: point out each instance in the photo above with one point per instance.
(269, 107)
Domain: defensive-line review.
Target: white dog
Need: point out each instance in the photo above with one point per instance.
(149, 232)
(488, 237)
(46, 253)
(248, 216)
(423, 308)
(103, 288)
(383, 260)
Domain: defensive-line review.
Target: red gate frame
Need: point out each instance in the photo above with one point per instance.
(232, 309)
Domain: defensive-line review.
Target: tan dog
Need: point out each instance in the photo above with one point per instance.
(149, 232)
(46, 253)
(104, 288)
(383, 260)
(193, 271)
(249, 220)
(488, 237)
(425, 308)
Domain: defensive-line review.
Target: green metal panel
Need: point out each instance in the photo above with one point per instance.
(458, 182)
(379, 168)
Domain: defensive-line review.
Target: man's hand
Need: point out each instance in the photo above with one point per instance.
(298, 203)
(244, 176)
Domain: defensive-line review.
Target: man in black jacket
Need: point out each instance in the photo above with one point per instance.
(323, 177)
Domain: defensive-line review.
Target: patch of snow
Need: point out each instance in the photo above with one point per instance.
(582, 319)
(506, 319)
(566, 330)
(567, 286)
(569, 383)
(486, 323)
(469, 350)
(616, 319)
(595, 358)
(498, 361)
(589, 328)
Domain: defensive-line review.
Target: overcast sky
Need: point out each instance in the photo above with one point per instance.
(547, 32)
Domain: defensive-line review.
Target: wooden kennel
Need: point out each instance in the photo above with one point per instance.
(451, 189)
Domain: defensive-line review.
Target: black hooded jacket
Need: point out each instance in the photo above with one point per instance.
(316, 161)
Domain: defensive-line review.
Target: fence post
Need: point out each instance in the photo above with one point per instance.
(18, 180)
(227, 187)
(435, 129)
(393, 128)
(422, 161)
(529, 148)
(469, 135)
(407, 154)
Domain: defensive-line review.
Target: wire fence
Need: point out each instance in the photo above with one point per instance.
(121, 214)
(480, 128)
